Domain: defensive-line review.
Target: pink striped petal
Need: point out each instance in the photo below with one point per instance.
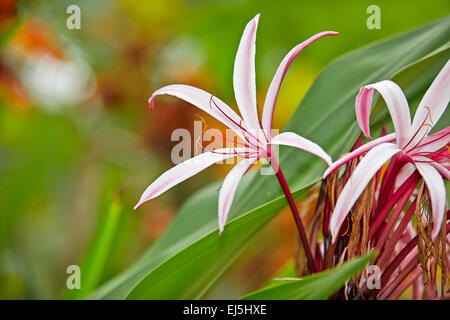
(229, 187)
(434, 142)
(365, 170)
(436, 190)
(202, 100)
(433, 105)
(396, 103)
(274, 89)
(404, 173)
(443, 171)
(185, 170)
(294, 140)
(357, 152)
(244, 75)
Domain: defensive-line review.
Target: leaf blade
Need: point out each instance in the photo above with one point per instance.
(316, 287)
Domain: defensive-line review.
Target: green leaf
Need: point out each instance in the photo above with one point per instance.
(204, 260)
(319, 286)
(326, 116)
(421, 74)
(95, 261)
(285, 271)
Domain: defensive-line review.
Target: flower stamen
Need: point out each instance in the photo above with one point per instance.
(217, 134)
(424, 124)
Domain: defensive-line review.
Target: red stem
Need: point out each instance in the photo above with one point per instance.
(381, 216)
(295, 213)
(398, 259)
(405, 284)
(393, 219)
(326, 218)
(391, 287)
(388, 183)
(383, 258)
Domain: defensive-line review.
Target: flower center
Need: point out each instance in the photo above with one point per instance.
(250, 138)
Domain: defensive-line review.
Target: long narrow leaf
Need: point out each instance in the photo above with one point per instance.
(316, 287)
(95, 261)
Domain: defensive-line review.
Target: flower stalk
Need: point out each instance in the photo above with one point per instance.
(292, 205)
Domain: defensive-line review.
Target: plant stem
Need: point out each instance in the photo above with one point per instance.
(295, 213)
(383, 213)
(386, 253)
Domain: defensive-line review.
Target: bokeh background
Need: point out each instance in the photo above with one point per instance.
(76, 133)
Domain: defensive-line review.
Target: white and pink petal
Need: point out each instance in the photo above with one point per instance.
(185, 170)
(396, 103)
(405, 172)
(244, 82)
(294, 140)
(443, 170)
(204, 101)
(274, 88)
(228, 189)
(359, 151)
(432, 106)
(436, 191)
(432, 143)
(358, 181)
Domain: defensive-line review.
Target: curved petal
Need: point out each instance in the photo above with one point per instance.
(357, 152)
(204, 101)
(244, 75)
(396, 103)
(436, 190)
(404, 173)
(294, 140)
(185, 170)
(229, 187)
(274, 88)
(365, 170)
(443, 170)
(434, 142)
(433, 104)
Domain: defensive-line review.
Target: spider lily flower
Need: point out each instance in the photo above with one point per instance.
(256, 140)
(410, 146)
(396, 222)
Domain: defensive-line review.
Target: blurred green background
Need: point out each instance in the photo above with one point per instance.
(76, 133)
